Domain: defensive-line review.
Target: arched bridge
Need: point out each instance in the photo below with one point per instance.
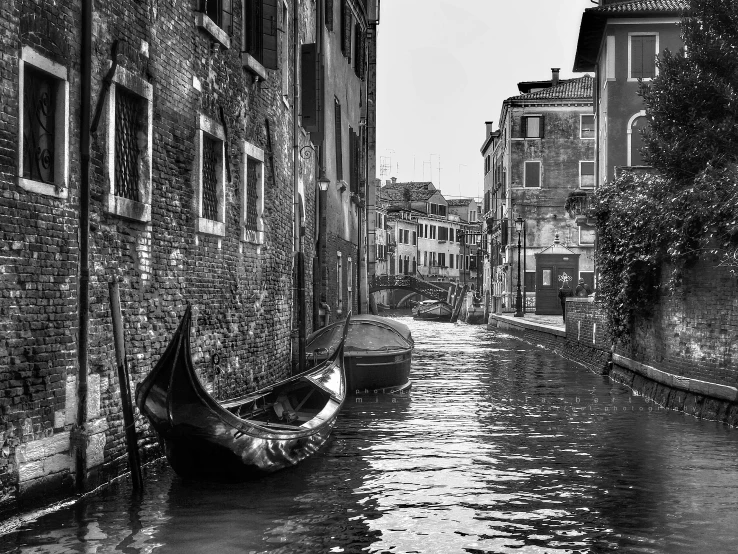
(407, 282)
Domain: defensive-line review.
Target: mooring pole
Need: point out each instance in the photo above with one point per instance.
(134, 460)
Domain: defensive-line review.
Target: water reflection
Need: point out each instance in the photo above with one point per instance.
(499, 447)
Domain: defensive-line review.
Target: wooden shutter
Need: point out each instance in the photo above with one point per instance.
(310, 78)
(357, 50)
(253, 26)
(523, 127)
(269, 57)
(328, 16)
(347, 23)
(541, 126)
(338, 141)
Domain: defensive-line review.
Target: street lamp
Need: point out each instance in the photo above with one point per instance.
(519, 297)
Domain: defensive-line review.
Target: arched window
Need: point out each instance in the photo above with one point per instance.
(635, 139)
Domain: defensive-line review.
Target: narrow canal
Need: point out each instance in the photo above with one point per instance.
(499, 447)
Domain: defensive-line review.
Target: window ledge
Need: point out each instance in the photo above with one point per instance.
(38, 187)
(128, 209)
(215, 32)
(252, 236)
(210, 227)
(250, 64)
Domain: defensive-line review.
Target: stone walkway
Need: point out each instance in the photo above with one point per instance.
(555, 321)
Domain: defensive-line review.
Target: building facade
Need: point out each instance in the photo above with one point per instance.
(161, 149)
(542, 154)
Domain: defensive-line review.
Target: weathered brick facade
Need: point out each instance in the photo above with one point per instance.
(162, 251)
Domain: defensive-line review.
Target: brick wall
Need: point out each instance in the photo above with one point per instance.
(241, 292)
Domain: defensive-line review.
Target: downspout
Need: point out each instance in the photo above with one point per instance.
(84, 239)
(299, 254)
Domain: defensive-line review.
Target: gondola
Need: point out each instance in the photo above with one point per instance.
(267, 430)
(377, 355)
(435, 310)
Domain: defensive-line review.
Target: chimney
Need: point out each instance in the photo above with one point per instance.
(554, 76)
(488, 125)
(394, 180)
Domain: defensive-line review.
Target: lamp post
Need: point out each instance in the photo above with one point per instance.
(519, 297)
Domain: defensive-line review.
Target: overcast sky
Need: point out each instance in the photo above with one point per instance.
(444, 67)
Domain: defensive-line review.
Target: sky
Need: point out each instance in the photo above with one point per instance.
(444, 67)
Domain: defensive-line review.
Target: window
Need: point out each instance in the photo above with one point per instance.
(530, 281)
(354, 161)
(451, 234)
(259, 42)
(415, 238)
(216, 19)
(285, 51)
(350, 283)
(443, 233)
(328, 15)
(451, 261)
(407, 236)
(357, 50)
(586, 235)
(347, 24)
(338, 138)
(532, 176)
(433, 232)
(532, 126)
(210, 193)
(587, 126)
(252, 194)
(586, 175)
(588, 277)
(339, 280)
(636, 125)
(441, 210)
(642, 51)
(546, 277)
(43, 125)
(472, 216)
(129, 146)
(441, 259)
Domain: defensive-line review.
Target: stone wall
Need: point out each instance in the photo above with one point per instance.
(240, 284)
(587, 339)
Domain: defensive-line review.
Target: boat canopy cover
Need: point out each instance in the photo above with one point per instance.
(366, 332)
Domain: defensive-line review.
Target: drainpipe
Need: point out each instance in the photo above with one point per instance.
(84, 237)
(299, 254)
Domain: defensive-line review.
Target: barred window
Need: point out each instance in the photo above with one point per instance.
(210, 149)
(252, 193)
(252, 178)
(339, 140)
(39, 104)
(128, 125)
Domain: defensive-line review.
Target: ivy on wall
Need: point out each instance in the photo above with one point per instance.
(687, 208)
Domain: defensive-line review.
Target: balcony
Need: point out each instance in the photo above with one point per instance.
(579, 205)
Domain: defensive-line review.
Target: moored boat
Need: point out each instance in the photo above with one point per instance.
(377, 354)
(436, 310)
(264, 431)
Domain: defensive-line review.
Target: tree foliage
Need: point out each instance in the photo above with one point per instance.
(687, 208)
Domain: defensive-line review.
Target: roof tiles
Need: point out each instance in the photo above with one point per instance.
(565, 90)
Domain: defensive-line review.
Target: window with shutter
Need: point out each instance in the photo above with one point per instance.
(587, 128)
(220, 12)
(357, 50)
(643, 56)
(532, 126)
(586, 175)
(328, 14)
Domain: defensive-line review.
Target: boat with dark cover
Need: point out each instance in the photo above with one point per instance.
(264, 431)
(377, 355)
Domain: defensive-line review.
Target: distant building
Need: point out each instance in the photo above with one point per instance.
(542, 153)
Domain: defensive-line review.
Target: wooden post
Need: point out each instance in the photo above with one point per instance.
(134, 461)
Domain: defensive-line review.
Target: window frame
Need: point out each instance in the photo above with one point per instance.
(215, 131)
(252, 154)
(580, 236)
(118, 205)
(212, 27)
(581, 174)
(581, 126)
(630, 54)
(525, 126)
(60, 187)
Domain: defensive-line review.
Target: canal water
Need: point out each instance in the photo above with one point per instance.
(499, 447)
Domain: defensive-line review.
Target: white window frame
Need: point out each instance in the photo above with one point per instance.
(213, 129)
(540, 125)
(580, 238)
(629, 134)
(581, 186)
(252, 154)
(581, 126)
(59, 188)
(117, 205)
(525, 174)
(630, 59)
